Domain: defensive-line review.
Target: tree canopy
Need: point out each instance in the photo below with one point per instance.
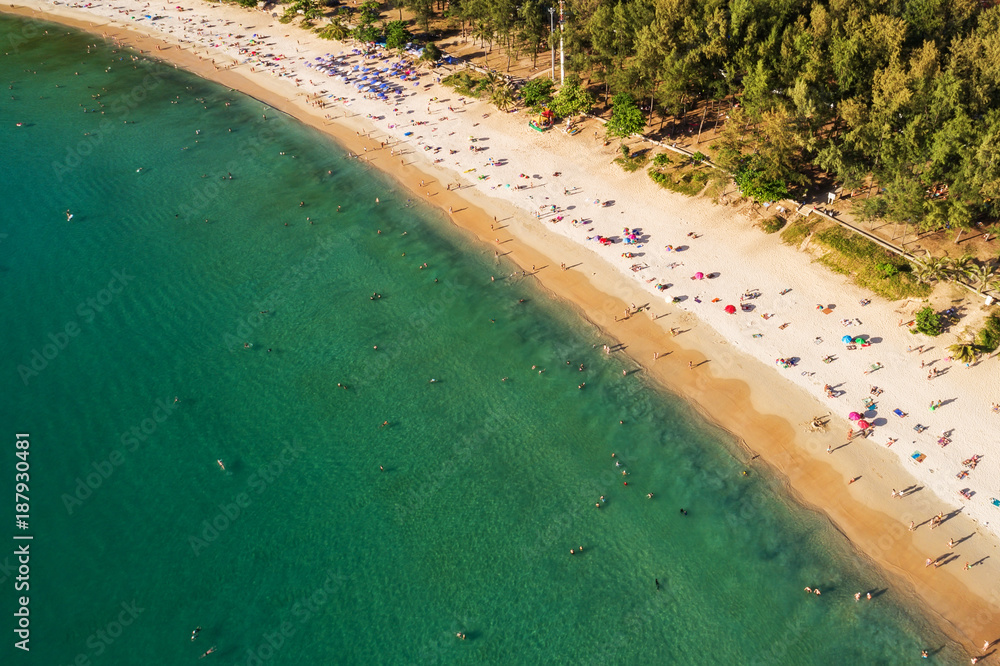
(905, 91)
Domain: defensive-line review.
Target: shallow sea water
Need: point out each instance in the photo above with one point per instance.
(302, 551)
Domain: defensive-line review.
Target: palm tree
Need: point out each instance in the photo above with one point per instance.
(933, 270)
(963, 352)
(335, 30)
(984, 275)
(502, 97)
(961, 267)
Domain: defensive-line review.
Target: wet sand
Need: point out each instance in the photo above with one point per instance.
(730, 388)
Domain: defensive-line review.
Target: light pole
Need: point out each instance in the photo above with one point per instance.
(552, 29)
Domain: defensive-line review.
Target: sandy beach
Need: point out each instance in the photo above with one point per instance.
(501, 188)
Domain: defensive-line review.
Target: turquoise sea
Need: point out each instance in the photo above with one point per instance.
(302, 551)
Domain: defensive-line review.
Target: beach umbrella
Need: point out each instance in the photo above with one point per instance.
(864, 425)
(860, 341)
(854, 416)
(731, 309)
(699, 275)
(846, 340)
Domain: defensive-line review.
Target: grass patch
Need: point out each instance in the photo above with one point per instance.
(690, 181)
(463, 83)
(871, 266)
(773, 224)
(633, 162)
(796, 232)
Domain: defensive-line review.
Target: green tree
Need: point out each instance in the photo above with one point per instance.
(423, 10)
(431, 52)
(626, 118)
(755, 184)
(365, 30)
(572, 99)
(396, 35)
(537, 93)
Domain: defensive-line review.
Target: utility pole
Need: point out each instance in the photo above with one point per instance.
(552, 29)
(562, 56)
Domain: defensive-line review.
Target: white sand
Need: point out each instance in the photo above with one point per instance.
(742, 257)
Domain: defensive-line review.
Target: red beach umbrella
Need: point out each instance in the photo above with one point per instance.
(731, 309)
(864, 425)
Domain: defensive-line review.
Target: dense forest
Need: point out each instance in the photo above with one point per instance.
(903, 91)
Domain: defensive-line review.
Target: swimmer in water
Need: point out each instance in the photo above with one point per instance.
(684, 511)
(221, 466)
(194, 634)
(208, 652)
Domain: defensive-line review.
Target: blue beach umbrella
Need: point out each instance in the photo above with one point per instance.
(847, 339)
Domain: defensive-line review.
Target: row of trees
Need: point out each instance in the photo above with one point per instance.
(905, 91)
(983, 275)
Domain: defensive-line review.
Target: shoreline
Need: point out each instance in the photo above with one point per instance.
(734, 390)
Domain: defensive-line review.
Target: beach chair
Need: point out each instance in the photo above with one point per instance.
(994, 501)
(899, 412)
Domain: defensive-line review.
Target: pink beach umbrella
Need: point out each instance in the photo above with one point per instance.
(864, 425)
(699, 275)
(854, 416)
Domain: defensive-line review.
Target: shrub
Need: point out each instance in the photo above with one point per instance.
(662, 161)
(699, 157)
(929, 322)
(886, 269)
(988, 339)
